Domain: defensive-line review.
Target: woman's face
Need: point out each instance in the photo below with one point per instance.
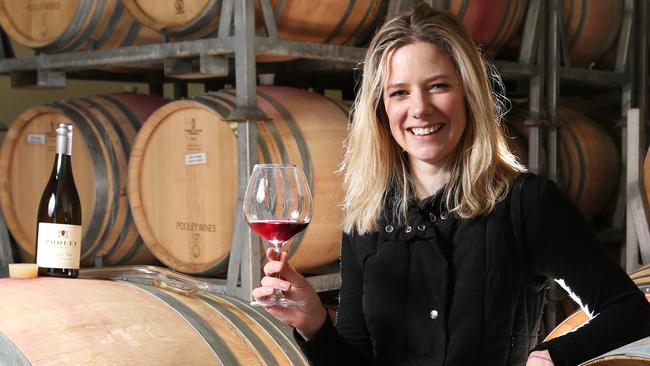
(425, 103)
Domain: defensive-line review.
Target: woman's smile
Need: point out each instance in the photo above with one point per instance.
(425, 131)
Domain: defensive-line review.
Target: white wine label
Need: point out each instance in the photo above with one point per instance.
(59, 245)
(34, 139)
(195, 159)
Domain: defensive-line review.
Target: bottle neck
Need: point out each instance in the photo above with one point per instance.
(63, 144)
(62, 162)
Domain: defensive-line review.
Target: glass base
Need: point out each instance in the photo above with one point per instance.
(275, 301)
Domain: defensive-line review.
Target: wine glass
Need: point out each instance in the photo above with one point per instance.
(277, 206)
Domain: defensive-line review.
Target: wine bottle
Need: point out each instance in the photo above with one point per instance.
(58, 233)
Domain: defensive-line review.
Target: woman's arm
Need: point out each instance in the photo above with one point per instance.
(562, 246)
(349, 342)
(322, 343)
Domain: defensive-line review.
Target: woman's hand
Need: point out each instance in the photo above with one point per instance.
(306, 319)
(539, 358)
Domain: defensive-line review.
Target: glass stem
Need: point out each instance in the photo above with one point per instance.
(277, 247)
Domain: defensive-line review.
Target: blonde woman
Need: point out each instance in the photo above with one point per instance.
(448, 245)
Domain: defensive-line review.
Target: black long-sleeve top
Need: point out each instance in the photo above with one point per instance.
(440, 290)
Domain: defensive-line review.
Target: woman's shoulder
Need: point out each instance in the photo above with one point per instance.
(537, 192)
(530, 183)
(526, 178)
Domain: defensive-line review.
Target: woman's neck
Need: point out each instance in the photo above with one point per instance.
(428, 178)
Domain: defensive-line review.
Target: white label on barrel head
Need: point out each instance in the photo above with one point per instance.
(195, 159)
(35, 139)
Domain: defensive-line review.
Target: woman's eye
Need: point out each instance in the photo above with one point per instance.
(439, 86)
(397, 93)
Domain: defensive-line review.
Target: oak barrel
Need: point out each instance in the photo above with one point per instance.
(51, 321)
(322, 21)
(591, 28)
(588, 158)
(491, 24)
(68, 25)
(183, 180)
(105, 126)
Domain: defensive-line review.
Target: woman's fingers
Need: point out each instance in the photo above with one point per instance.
(274, 282)
(281, 267)
(262, 292)
(288, 273)
(272, 267)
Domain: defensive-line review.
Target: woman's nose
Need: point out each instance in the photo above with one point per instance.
(421, 105)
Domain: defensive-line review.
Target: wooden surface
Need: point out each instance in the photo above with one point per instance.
(322, 21)
(588, 158)
(328, 21)
(57, 25)
(589, 162)
(185, 213)
(75, 322)
(104, 129)
(491, 24)
(590, 28)
(38, 25)
(175, 18)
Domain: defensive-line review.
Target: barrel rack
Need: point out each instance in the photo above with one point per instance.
(542, 61)
(630, 75)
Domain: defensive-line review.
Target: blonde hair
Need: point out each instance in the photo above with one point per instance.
(376, 172)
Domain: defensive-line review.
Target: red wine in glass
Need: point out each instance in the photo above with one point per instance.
(277, 206)
(277, 230)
